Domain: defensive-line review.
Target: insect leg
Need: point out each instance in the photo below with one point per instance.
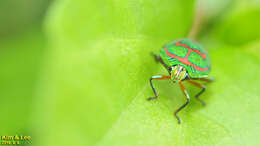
(203, 90)
(156, 77)
(156, 57)
(187, 101)
(204, 79)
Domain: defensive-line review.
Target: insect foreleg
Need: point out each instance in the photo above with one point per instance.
(156, 77)
(187, 101)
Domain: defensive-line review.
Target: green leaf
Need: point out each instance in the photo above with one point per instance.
(97, 80)
(230, 117)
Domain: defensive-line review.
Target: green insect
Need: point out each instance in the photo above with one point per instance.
(185, 60)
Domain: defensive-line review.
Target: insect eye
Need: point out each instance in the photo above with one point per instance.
(171, 68)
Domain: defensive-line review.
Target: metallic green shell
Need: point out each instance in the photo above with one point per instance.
(188, 54)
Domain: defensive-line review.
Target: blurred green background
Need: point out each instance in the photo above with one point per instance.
(22, 48)
(76, 72)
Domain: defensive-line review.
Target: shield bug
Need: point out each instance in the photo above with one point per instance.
(185, 60)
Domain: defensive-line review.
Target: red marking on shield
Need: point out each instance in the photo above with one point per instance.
(185, 61)
(203, 55)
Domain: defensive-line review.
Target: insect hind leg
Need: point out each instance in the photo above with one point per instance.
(203, 88)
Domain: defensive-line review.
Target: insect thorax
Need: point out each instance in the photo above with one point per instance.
(178, 73)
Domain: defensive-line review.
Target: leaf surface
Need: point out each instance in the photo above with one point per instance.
(98, 72)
